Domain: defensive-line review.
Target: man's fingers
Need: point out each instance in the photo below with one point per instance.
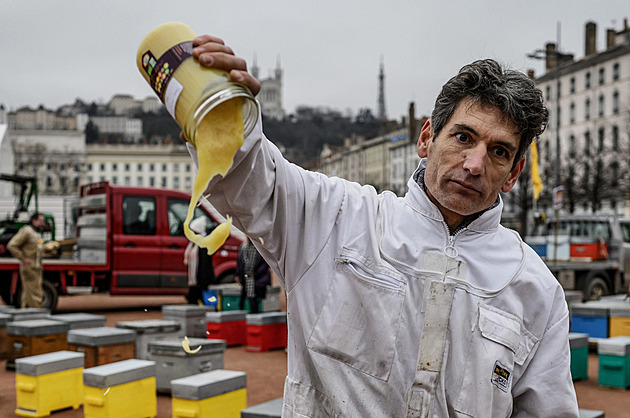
(246, 79)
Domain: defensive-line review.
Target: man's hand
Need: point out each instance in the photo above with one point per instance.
(26, 262)
(211, 52)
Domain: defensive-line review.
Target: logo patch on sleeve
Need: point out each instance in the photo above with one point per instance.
(501, 376)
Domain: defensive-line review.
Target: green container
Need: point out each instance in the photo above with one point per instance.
(614, 371)
(578, 343)
(231, 299)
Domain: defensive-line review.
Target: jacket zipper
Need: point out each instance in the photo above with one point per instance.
(361, 270)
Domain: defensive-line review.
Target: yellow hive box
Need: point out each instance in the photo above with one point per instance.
(619, 326)
(218, 393)
(125, 389)
(48, 382)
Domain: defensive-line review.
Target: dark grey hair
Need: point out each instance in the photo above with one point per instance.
(486, 82)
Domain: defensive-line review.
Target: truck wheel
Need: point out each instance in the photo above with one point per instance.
(49, 298)
(596, 288)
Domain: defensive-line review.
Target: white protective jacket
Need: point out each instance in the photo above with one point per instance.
(389, 314)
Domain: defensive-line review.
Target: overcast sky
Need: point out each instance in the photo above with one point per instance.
(54, 51)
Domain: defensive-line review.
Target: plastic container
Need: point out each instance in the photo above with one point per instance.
(150, 330)
(191, 318)
(578, 343)
(270, 409)
(80, 320)
(188, 90)
(266, 331)
(228, 325)
(614, 362)
(103, 345)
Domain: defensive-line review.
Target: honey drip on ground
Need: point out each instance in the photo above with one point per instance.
(219, 136)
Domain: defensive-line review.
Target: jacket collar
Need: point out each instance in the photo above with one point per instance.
(418, 198)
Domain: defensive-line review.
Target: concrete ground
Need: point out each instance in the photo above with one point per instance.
(265, 371)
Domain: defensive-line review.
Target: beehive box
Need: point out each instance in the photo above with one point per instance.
(266, 331)
(80, 320)
(578, 343)
(173, 362)
(271, 409)
(614, 362)
(190, 317)
(48, 382)
(37, 336)
(590, 318)
(103, 345)
(4, 319)
(230, 326)
(122, 389)
(619, 320)
(150, 330)
(219, 393)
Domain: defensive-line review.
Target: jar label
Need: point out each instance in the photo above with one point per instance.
(162, 69)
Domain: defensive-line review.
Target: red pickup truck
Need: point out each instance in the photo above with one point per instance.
(130, 241)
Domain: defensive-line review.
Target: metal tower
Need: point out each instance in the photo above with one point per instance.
(382, 113)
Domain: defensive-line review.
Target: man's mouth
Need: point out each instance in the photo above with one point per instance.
(466, 185)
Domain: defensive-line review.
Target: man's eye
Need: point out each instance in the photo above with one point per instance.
(463, 138)
(500, 152)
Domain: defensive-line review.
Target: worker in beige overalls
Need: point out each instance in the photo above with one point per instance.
(26, 246)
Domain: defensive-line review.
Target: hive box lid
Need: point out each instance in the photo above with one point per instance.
(578, 340)
(37, 327)
(113, 374)
(184, 311)
(207, 385)
(620, 310)
(267, 318)
(80, 320)
(226, 316)
(590, 309)
(150, 325)
(615, 346)
(271, 409)
(24, 314)
(173, 346)
(4, 319)
(99, 336)
(49, 363)
(231, 290)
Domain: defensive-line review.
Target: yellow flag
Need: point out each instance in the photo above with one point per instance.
(536, 180)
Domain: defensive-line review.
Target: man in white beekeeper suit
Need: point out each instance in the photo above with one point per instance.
(420, 306)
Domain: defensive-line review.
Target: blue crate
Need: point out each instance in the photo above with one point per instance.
(594, 326)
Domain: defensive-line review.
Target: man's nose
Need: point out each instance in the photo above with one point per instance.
(475, 160)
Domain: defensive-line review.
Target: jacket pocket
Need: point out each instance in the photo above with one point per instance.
(358, 324)
(497, 343)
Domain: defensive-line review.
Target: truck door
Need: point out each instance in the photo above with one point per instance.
(136, 247)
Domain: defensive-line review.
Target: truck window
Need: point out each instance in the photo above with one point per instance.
(177, 210)
(625, 231)
(139, 215)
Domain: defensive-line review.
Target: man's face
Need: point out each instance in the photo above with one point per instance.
(470, 161)
(39, 222)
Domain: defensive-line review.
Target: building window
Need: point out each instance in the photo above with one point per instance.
(616, 71)
(572, 84)
(547, 151)
(600, 139)
(572, 146)
(102, 166)
(188, 182)
(548, 92)
(587, 109)
(114, 180)
(188, 168)
(616, 102)
(62, 167)
(615, 138)
(176, 167)
(139, 183)
(151, 167)
(601, 105)
(587, 143)
(139, 166)
(602, 76)
(114, 167)
(90, 166)
(90, 179)
(152, 181)
(127, 168)
(176, 182)
(127, 181)
(572, 113)
(163, 181)
(614, 180)
(587, 81)
(163, 167)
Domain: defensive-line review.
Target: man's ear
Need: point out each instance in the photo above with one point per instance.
(513, 176)
(426, 136)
